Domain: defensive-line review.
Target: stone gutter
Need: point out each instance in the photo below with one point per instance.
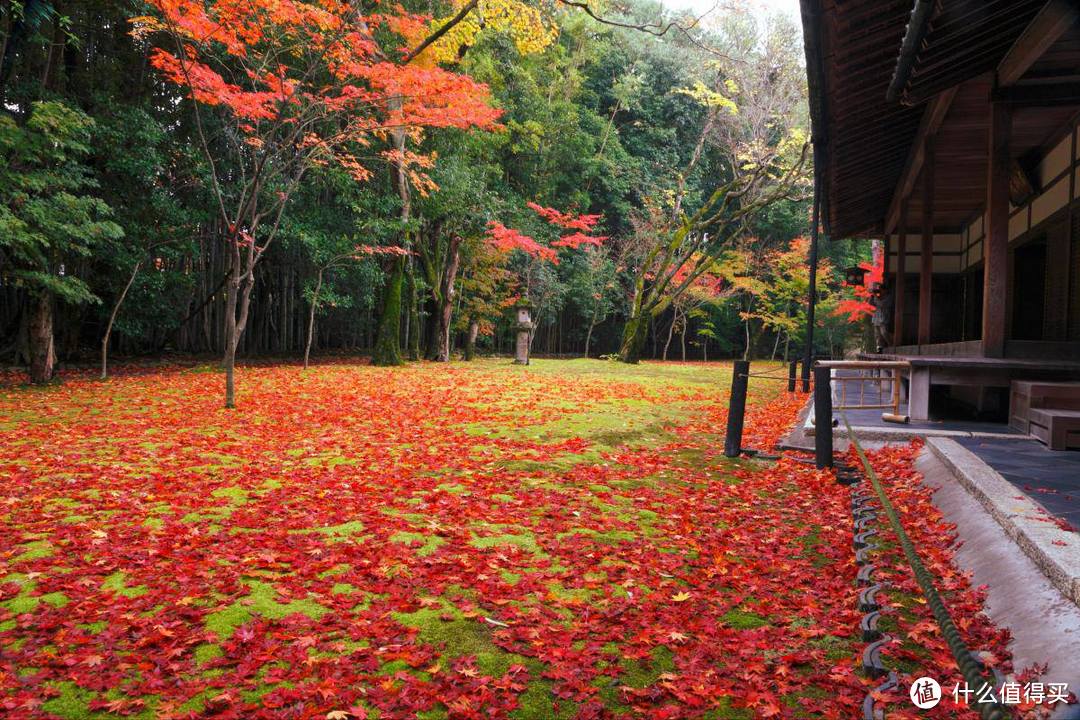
(1055, 551)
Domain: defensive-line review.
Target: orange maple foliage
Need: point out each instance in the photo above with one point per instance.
(309, 74)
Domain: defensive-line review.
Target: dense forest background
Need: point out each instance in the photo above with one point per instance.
(103, 166)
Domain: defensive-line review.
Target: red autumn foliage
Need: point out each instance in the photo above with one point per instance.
(859, 306)
(584, 223)
(144, 523)
(318, 62)
(506, 239)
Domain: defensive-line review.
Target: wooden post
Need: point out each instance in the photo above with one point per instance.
(996, 247)
(736, 408)
(823, 435)
(926, 256)
(901, 272)
(792, 372)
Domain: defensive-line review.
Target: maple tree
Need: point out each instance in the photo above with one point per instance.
(567, 231)
(860, 305)
(298, 84)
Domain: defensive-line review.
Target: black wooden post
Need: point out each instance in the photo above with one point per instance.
(736, 408)
(811, 290)
(792, 371)
(823, 445)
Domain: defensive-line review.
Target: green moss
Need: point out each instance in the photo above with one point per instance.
(538, 703)
(641, 675)
(453, 488)
(116, 583)
(459, 636)
(339, 569)
(637, 674)
(34, 551)
(607, 537)
(569, 595)
(56, 599)
(438, 713)
(526, 541)
(354, 527)
(329, 460)
(205, 652)
(260, 601)
(73, 702)
(343, 589)
(237, 495)
(20, 604)
(836, 648)
(428, 543)
(742, 620)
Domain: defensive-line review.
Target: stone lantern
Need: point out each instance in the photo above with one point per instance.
(524, 328)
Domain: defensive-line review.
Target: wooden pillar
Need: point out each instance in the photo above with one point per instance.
(996, 249)
(926, 256)
(901, 271)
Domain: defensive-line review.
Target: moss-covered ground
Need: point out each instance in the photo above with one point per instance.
(474, 540)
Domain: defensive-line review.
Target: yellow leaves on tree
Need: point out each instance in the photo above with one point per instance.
(526, 25)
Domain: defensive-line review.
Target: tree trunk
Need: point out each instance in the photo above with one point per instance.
(635, 333)
(112, 321)
(670, 334)
(746, 350)
(388, 344)
(446, 299)
(311, 318)
(42, 350)
(414, 328)
(470, 343)
(232, 337)
(592, 324)
(387, 348)
(682, 335)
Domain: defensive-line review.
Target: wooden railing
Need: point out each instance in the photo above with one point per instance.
(872, 375)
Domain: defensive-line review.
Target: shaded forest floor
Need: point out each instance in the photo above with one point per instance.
(473, 540)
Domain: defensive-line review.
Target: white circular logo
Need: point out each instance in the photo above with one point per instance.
(925, 693)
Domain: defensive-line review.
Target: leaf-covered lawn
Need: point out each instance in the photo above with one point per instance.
(482, 540)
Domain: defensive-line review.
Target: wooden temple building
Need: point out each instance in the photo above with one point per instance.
(949, 130)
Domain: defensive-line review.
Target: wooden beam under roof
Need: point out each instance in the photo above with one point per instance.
(1044, 30)
(1041, 94)
(932, 118)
